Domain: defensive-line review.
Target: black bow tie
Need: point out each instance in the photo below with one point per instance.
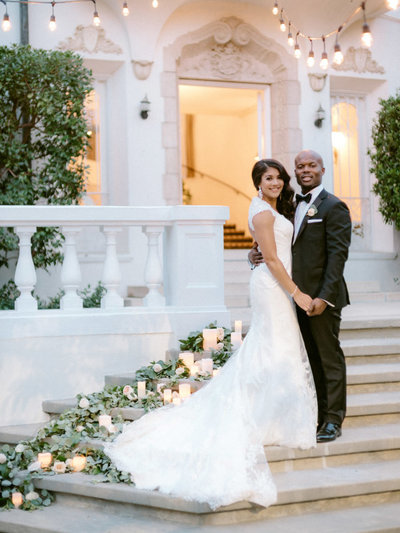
(300, 198)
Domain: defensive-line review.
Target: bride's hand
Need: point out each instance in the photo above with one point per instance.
(303, 300)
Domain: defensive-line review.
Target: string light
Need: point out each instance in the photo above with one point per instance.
(311, 57)
(324, 63)
(297, 51)
(52, 23)
(290, 39)
(282, 22)
(337, 53)
(366, 37)
(96, 18)
(6, 24)
(154, 3)
(125, 9)
(275, 9)
(392, 4)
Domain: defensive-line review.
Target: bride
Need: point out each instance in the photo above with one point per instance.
(211, 448)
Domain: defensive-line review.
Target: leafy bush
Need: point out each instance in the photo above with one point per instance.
(43, 138)
(385, 159)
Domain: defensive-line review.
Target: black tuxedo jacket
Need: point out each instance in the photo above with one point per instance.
(321, 250)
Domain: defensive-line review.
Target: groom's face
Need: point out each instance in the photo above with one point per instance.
(309, 170)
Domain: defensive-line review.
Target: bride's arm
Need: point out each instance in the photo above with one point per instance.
(264, 234)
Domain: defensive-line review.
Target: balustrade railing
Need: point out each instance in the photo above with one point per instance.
(181, 261)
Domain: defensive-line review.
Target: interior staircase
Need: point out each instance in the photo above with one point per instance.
(351, 485)
(235, 238)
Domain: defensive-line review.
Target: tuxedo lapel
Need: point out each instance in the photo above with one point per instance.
(322, 195)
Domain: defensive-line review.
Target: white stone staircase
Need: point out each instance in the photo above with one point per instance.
(351, 485)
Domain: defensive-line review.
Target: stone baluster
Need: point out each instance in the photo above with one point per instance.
(25, 274)
(111, 277)
(153, 275)
(70, 272)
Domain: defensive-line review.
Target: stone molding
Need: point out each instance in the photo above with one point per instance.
(91, 40)
(359, 60)
(142, 69)
(317, 81)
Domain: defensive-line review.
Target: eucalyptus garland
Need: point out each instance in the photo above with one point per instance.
(77, 431)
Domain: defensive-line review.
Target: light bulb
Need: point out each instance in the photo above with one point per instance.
(324, 63)
(52, 23)
(290, 39)
(366, 37)
(338, 56)
(311, 59)
(96, 19)
(392, 4)
(154, 3)
(125, 9)
(282, 25)
(6, 24)
(297, 51)
(275, 9)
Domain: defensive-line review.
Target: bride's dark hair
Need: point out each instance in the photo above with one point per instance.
(284, 203)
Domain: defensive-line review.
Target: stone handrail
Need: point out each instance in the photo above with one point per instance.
(193, 236)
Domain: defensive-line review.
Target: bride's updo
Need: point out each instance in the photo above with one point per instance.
(284, 203)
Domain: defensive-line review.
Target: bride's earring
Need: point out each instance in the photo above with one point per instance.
(260, 195)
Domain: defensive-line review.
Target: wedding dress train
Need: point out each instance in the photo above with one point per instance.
(211, 448)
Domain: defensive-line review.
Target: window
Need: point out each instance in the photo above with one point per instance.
(93, 185)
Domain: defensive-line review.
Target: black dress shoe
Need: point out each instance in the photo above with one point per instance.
(328, 432)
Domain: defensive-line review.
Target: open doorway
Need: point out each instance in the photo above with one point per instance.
(224, 130)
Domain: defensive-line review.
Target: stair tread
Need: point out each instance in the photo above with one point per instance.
(62, 518)
(14, 434)
(293, 487)
(373, 373)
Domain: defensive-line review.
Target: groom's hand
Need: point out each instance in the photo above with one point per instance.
(317, 307)
(255, 257)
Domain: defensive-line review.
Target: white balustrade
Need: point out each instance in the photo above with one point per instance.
(192, 252)
(70, 272)
(153, 275)
(111, 277)
(25, 274)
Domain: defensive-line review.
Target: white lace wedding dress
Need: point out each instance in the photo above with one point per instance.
(210, 449)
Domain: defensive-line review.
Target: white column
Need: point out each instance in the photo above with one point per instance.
(25, 274)
(111, 277)
(153, 275)
(70, 272)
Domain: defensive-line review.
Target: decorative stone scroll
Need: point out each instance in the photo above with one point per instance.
(359, 60)
(90, 39)
(317, 81)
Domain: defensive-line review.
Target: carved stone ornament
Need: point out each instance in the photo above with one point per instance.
(359, 60)
(90, 39)
(317, 81)
(231, 49)
(142, 69)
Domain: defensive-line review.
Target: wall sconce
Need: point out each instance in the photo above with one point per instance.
(144, 108)
(319, 117)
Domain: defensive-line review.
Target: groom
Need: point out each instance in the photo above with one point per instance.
(322, 232)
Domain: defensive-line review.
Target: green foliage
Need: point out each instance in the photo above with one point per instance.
(43, 138)
(92, 297)
(194, 343)
(385, 159)
(8, 294)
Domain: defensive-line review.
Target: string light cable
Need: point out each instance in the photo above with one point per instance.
(6, 23)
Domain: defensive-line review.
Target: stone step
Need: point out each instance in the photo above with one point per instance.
(237, 300)
(298, 491)
(373, 377)
(14, 434)
(62, 517)
(362, 409)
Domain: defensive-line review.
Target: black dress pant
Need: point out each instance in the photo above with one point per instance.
(321, 338)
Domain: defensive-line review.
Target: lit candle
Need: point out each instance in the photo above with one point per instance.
(215, 371)
(176, 401)
(78, 463)
(210, 339)
(105, 420)
(184, 390)
(194, 370)
(238, 326)
(141, 389)
(167, 396)
(187, 358)
(45, 459)
(236, 340)
(207, 365)
(17, 499)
